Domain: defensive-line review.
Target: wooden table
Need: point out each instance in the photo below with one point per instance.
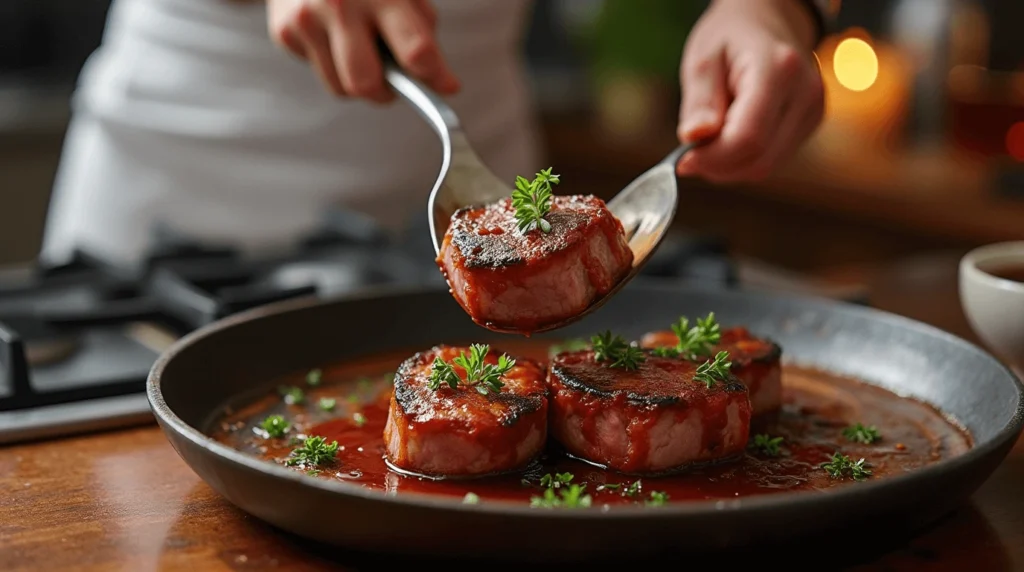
(124, 500)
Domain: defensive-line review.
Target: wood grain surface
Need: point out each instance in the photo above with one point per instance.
(123, 500)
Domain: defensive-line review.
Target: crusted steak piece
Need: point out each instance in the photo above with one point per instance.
(654, 419)
(514, 281)
(755, 361)
(461, 431)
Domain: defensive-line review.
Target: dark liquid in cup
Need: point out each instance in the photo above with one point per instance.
(1014, 272)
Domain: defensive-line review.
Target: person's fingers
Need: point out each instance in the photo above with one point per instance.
(281, 25)
(801, 117)
(410, 35)
(752, 121)
(705, 97)
(427, 9)
(290, 40)
(355, 52)
(309, 30)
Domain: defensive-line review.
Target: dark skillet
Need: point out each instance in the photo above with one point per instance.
(213, 365)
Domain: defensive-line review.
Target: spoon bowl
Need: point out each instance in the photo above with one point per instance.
(645, 207)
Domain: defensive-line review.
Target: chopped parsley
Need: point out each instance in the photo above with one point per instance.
(470, 498)
(658, 498)
(571, 496)
(313, 472)
(860, 434)
(766, 444)
(275, 426)
(315, 451)
(327, 403)
(359, 419)
(561, 493)
(484, 377)
(840, 466)
(614, 349)
(556, 480)
(711, 371)
(292, 395)
(633, 489)
(313, 377)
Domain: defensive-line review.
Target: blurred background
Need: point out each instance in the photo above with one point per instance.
(921, 150)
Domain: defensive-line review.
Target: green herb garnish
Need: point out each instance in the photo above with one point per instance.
(470, 498)
(693, 342)
(633, 489)
(532, 200)
(484, 377)
(313, 472)
(658, 498)
(614, 349)
(359, 419)
(571, 496)
(275, 426)
(292, 395)
(557, 480)
(327, 403)
(766, 444)
(609, 486)
(568, 346)
(842, 466)
(860, 434)
(313, 377)
(711, 371)
(315, 451)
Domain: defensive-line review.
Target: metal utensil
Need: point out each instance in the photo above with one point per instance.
(646, 207)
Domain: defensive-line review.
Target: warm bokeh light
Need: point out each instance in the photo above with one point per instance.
(855, 64)
(1015, 141)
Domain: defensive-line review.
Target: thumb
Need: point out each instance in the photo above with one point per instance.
(705, 98)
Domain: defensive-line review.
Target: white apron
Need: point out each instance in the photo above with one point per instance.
(190, 117)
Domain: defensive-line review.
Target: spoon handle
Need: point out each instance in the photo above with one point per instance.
(677, 153)
(434, 109)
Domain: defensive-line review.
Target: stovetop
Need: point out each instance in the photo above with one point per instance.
(77, 340)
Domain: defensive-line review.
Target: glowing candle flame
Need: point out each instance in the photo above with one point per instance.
(855, 64)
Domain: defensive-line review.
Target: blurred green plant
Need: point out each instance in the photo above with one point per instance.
(641, 37)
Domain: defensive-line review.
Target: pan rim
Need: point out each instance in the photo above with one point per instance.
(1008, 433)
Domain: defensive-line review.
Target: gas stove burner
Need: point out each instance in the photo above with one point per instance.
(48, 351)
(325, 277)
(42, 345)
(343, 272)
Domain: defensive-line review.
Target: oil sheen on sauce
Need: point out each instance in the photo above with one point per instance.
(817, 407)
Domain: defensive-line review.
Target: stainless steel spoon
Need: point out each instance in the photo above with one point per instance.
(646, 207)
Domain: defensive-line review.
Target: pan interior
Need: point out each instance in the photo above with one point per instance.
(905, 357)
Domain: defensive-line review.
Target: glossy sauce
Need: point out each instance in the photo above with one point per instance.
(817, 407)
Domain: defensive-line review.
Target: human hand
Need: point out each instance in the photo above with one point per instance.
(751, 88)
(339, 39)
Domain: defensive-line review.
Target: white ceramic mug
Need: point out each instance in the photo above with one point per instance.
(995, 306)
